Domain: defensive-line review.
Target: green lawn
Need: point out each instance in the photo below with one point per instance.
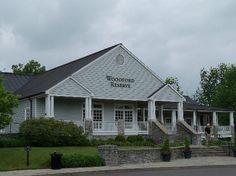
(15, 158)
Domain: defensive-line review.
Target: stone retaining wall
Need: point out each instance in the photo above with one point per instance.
(114, 156)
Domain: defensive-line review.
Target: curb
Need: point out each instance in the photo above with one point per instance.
(122, 170)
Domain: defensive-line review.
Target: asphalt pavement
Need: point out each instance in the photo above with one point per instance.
(201, 166)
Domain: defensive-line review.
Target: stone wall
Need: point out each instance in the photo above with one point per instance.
(186, 131)
(157, 132)
(114, 156)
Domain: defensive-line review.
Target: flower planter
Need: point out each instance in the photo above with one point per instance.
(187, 154)
(166, 156)
(234, 152)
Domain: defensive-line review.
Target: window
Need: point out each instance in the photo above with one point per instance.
(124, 112)
(27, 113)
(97, 116)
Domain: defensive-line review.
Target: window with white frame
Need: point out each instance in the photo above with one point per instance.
(27, 113)
(124, 112)
(97, 115)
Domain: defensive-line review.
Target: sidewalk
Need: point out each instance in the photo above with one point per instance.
(179, 163)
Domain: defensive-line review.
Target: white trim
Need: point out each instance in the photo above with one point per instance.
(163, 88)
(102, 104)
(96, 60)
(146, 67)
(73, 79)
(70, 96)
(76, 81)
(120, 99)
(123, 110)
(52, 106)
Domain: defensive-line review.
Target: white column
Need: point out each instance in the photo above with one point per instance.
(151, 110)
(194, 119)
(35, 108)
(47, 106)
(180, 111)
(173, 120)
(214, 120)
(231, 119)
(88, 108)
(52, 106)
(161, 113)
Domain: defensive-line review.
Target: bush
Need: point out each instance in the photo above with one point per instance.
(133, 139)
(215, 142)
(51, 132)
(166, 146)
(78, 160)
(12, 142)
(120, 138)
(186, 143)
(120, 141)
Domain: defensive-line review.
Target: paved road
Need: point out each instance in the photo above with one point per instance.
(220, 171)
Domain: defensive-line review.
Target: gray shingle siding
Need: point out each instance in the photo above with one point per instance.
(69, 88)
(94, 77)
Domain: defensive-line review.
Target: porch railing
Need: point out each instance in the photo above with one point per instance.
(77, 122)
(222, 130)
(112, 126)
(171, 129)
(104, 126)
(139, 126)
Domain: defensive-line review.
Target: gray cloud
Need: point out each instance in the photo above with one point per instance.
(173, 37)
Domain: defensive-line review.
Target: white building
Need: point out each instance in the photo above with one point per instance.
(110, 92)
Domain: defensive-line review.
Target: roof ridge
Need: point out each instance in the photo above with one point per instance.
(44, 81)
(20, 74)
(84, 57)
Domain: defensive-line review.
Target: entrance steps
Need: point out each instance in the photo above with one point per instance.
(207, 151)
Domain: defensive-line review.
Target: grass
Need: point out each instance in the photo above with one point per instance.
(15, 158)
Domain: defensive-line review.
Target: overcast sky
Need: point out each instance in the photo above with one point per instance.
(172, 37)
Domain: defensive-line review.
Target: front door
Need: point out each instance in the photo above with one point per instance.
(125, 112)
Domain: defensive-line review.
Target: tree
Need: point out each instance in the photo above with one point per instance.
(174, 82)
(208, 83)
(32, 67)
(8, 101)
(225, 94)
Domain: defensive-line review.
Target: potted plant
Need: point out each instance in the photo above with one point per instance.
(187, 150)
(166, 151)
(234, 147)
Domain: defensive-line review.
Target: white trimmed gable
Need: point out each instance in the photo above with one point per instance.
(129, 81)
(167, 93)
(69, 88)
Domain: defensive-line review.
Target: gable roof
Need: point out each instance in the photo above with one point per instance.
(44, 81)
(12, 81)
(191, 105)
(164, 87)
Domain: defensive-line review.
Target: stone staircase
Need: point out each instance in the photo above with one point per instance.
(208, 151)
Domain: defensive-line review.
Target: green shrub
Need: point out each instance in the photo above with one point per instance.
(12, 142)
(51, 132)
(166, 145)
(78, 160)
(120, 138)
(215, 142)
(186, 144)
(136, 138)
